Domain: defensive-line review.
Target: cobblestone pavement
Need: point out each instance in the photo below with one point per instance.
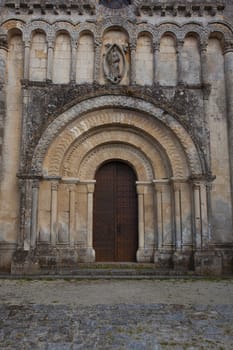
(161, 314)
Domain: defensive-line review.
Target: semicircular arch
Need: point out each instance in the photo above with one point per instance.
(150, 119)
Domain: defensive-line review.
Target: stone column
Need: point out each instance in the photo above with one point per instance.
(3, 57)
(54, 212)
(97, 46)
(133, 46)
(163, 205)
(197, 215)
(141, 228)
(156, 48)
(206, 92)
(204, 66)
(3, 78)
(206, 261)
(159, 214)
(21, 238)
(73, 61)
(34, 213)
(200, 214)
(228, 62)
(27, 47)
(50, 59)
(178, 215)
(90, 193)
(72, 191)
(182, 255)
(179, 47)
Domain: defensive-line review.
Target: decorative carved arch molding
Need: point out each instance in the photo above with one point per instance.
(152, 120)
(104, 153)
(149, 157)
(159, 149)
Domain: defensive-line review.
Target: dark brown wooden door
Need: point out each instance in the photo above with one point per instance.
(115, 229)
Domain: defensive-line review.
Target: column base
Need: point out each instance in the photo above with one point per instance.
(163, 259)
(144, 255)
(182, 261)
(86, 255)
(208, 263)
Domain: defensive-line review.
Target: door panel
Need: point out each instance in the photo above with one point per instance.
(115, 236)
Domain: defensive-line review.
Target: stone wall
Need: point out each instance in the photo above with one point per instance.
(167, 63)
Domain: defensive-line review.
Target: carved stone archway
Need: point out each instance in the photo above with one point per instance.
(162, 154)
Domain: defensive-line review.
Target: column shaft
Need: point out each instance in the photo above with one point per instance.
(159, 214)
(204, 66)
(72, 214)
(156, 48)
(90, 193)
(141, 229)
(27, 59)
(178, 215)
(133, 63)
(197, 216)
(53, 228)
(179, 48)
(34, 213)
(228, 61)
(97, 46)
(50, 61)
(73, 62)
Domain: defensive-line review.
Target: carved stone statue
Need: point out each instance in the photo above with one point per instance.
(114, 63)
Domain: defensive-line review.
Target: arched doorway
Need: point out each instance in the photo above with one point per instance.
(115, 225)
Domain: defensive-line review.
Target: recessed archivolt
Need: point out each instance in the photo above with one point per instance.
(105, 137)
(152, 120)
(78, 134)
(122, 152)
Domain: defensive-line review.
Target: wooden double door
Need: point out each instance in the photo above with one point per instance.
(115, 221)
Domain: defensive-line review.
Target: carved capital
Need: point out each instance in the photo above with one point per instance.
(36, 183)
(160, 185)
(203, 47)
(156, 46)
(97, 43)
(228, 47)
(54, 185)
(3, 42)
(133, 46)
(206, 91)
(51, 42)
(179, 45)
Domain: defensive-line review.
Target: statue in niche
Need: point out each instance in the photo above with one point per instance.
(114, 63)
(115, 4)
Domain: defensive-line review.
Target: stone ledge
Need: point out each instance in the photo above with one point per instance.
(149, 7)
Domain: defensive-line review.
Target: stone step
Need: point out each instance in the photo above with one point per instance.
(115, 270)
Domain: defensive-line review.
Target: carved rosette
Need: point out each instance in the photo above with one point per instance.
(114, 63)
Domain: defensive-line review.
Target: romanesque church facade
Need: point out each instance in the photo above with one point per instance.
(116, 134)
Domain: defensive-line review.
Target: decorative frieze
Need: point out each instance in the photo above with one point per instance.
(109, 8)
